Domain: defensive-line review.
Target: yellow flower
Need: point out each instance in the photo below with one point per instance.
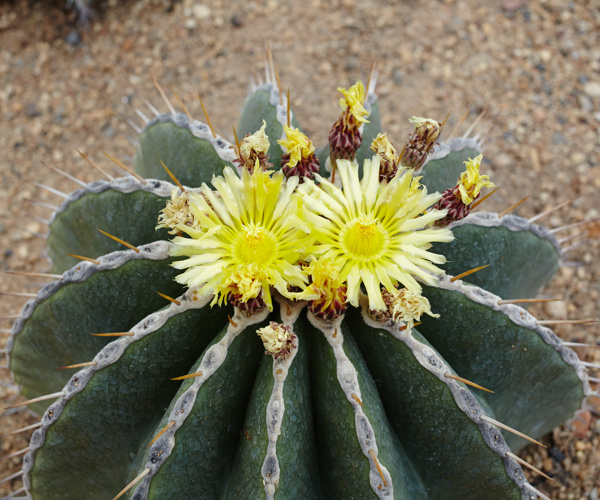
(383, 147)
(408, 306)
(325, 281)
(426, 123)
(470, 182)
(375, 233)
(278, 339)
(257, 143)
(176, 213)
(298, 146)
(354, 100)
(247, 241)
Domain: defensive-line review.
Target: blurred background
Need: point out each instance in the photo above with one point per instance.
(533, 66)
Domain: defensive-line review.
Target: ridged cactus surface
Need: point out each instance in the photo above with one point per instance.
(371, 373)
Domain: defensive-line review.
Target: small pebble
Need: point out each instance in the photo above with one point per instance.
(73, 39)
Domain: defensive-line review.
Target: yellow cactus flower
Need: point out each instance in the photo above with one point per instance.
(176, 212)
(470, 182)
(383, 147)
(433, 126)
(298, 146)
(257, 143)
(408, 307)
(278, 339)
(247, 241)
(375, 233)
(354, 100)
(325, 281)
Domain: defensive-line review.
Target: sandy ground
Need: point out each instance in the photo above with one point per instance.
(535, 66)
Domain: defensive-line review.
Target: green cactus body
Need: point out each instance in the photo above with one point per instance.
(357, 409)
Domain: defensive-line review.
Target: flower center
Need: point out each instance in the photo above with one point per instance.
(365, 238)
(255, 246)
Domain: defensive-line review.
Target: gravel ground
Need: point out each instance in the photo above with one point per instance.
(534, 65)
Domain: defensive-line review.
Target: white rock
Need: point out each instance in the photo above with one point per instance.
(592, 89)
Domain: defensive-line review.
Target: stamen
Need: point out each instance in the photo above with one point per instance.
(79, 365)
(119, 240)
(527, 464)
(509, 429)
(22, 429)
(80, 257)
(372, 453)
(357, 399)
(163, 95)
(335, 333)
(468, 382)
(164, 429)
(102, 171)
(481, 200)
(549, 211)
(126, 168)
(36, 400)
(207, 118)
(175, 301)
(130, 485)
(190, 375)
(234, 324)
(172, 176)
(182, 105)
(466, 273)
(114, 334)
(512, 207)
(525, 301)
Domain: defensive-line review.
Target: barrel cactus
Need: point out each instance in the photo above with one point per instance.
(289, 322)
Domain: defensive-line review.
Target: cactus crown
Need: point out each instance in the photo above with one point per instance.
(316, 324)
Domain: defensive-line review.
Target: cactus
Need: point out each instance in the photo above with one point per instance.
(312, 336)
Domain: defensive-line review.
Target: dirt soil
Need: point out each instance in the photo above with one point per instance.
(533, 65)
